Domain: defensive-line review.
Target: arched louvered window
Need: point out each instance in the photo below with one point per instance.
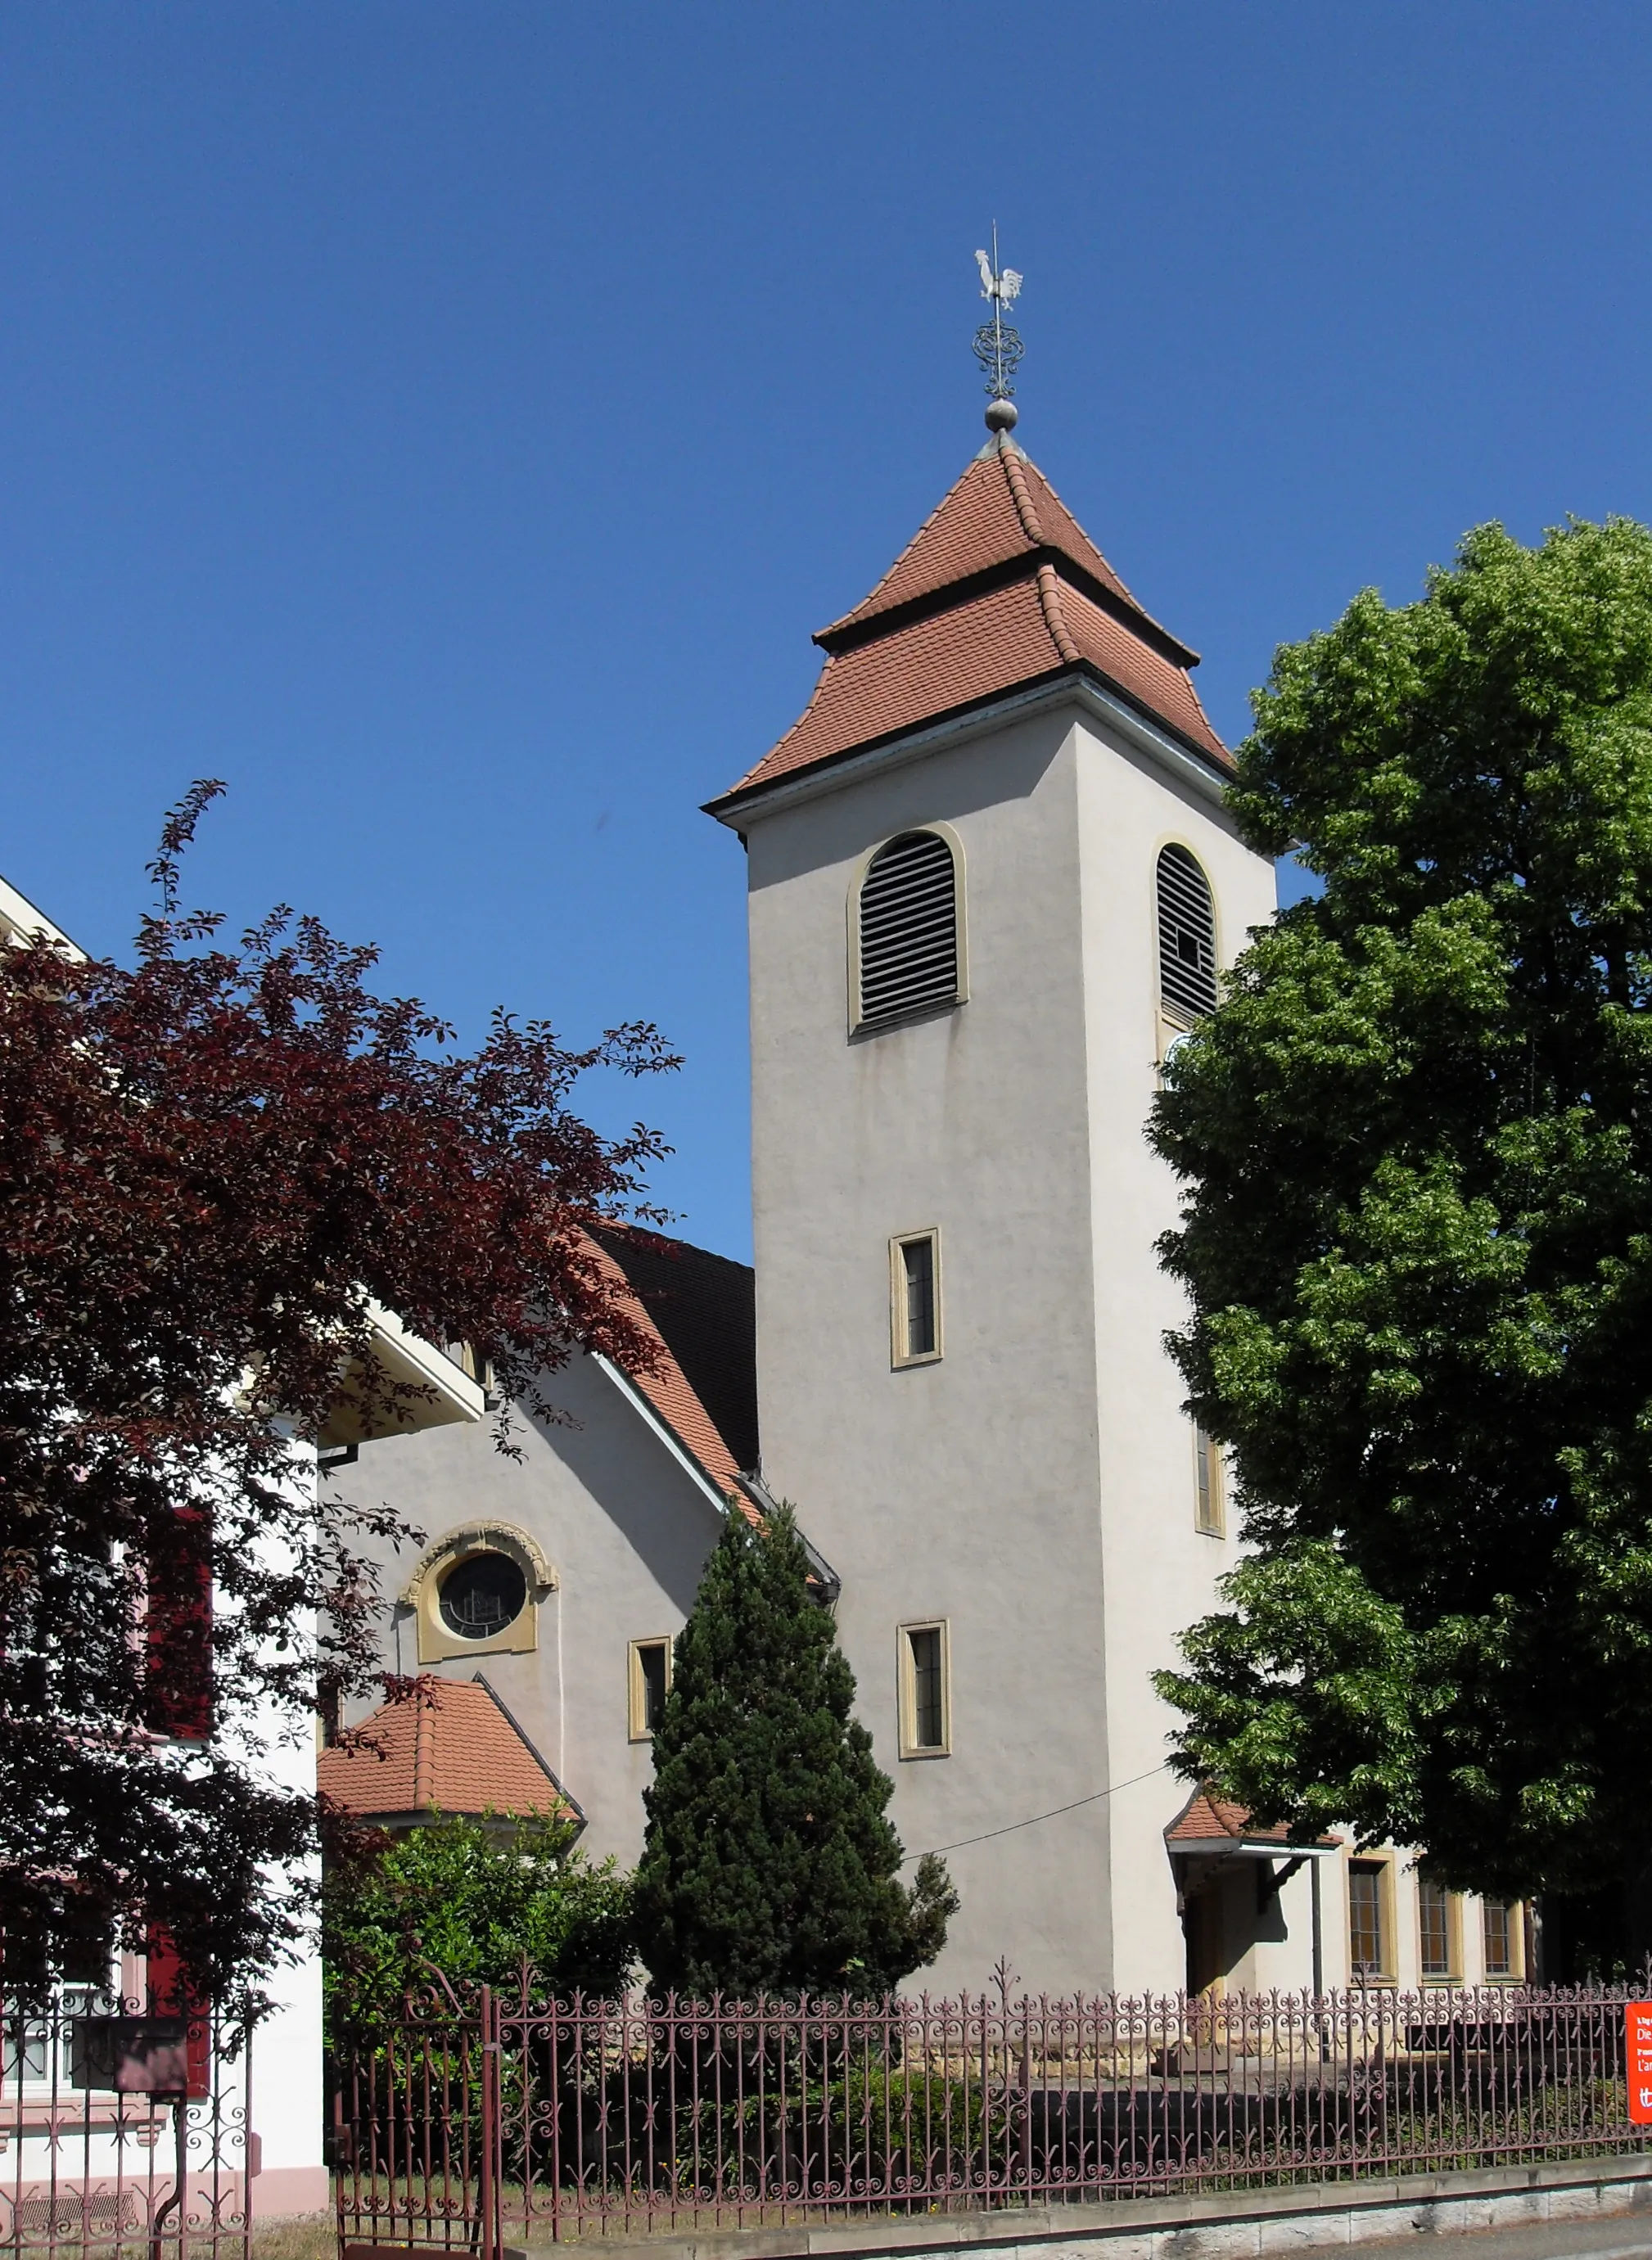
(1187, 936)
(908, 958)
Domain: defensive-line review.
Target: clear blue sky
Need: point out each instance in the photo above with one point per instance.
(448, 422)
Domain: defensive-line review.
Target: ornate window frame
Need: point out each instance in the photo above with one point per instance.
(437, 1642)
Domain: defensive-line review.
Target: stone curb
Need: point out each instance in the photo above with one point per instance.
(1233, 2225)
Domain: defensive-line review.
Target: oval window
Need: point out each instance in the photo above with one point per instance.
(481, 1595)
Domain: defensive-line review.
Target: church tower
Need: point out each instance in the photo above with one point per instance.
(991, 879)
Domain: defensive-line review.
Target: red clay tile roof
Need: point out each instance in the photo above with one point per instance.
(1206, 1817)
(671, 1393)
(1000, 587)
(451, 1746)
(1002, 507)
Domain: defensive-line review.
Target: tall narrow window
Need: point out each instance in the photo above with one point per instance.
(1207, 1508)
(1499, 1930)
(925, 1725)
(1187, 937)
(650, 1677)
(915, 1297)
(1367, 1920)
(1436, 1944)
(907, 954)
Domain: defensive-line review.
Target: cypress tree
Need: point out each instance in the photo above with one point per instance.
(769, 1865)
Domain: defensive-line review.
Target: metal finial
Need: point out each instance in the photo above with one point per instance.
(998, 347)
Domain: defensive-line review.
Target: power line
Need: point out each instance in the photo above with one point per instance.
(1055, 1813)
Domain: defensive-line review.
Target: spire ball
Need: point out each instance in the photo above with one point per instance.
(1002, 416)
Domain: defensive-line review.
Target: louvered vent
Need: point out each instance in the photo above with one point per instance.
(1187, 936)
(909, 928)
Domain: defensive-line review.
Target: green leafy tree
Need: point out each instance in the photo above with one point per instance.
(478, 1900)
(768, 1865)
(1416, 1143)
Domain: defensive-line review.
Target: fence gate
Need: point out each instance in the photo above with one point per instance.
(120, 2135)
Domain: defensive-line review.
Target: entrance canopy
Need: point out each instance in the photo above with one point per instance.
(1209, 1826)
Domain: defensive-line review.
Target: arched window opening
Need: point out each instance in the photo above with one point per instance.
(1187, 937)
(908, 929)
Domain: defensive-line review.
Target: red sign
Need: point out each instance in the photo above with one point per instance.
(1638, 2045)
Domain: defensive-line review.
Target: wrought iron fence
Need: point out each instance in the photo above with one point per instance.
(120, 2135)
(503, 2118)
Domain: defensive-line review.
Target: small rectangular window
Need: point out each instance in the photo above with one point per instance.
(650, 1677)
(1367, 1920)
(1207, 1508)
(1436, 1930)
(1502, 1938)
(925, 1722)
(915, 1297)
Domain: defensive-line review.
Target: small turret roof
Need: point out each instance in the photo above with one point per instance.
(448, 1746)
(1000, 587)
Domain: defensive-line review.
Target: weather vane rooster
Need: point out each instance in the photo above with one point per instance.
(998, 347)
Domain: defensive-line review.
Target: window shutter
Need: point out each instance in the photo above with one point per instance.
(172, 1994)
(1187, 936)
(178, 1627)
(909, 928)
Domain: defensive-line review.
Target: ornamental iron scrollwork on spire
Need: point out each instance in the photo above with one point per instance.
(997, 346)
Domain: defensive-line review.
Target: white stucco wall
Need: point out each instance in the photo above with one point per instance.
(288, 2106)
(287, 2117)
(952, 1490)
(624, 1529)
(1158, 1569)
(1036, 1486)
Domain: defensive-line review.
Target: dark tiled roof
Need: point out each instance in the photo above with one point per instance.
(674, 1395)
(704, 1308)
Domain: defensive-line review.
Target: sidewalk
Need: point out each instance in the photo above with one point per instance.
(1626, 2237)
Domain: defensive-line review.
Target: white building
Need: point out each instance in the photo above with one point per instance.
(68, 2152)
